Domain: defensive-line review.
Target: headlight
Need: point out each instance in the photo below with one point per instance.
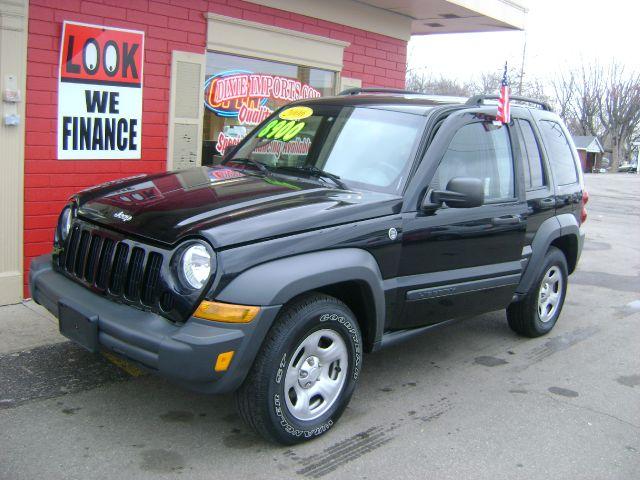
(196, 264)
(66, 220)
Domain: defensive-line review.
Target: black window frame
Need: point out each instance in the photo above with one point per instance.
(524, 151)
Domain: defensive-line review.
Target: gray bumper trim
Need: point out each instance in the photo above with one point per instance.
(185, 354)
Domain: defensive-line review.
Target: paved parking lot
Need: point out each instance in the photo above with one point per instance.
(471, 400)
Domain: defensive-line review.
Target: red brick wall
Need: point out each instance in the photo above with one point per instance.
(168, 25)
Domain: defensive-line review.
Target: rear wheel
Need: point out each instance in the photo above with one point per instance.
(537, 313)
(306, 372)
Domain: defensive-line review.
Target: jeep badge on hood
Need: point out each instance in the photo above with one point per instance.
(125, 217)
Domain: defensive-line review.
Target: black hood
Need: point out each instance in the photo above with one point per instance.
(225, 206)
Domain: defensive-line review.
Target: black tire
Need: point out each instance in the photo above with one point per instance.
(260, 400)
(523, 316)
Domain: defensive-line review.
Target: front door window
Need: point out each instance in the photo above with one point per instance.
(479, 150)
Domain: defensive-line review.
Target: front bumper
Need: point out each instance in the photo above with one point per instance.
(185, 354)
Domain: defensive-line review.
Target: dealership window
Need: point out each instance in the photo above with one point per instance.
(240, 92)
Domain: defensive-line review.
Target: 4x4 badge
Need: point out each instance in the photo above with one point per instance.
(393, 233)
(125, 217)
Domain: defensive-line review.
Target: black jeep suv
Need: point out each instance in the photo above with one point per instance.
(336, 227)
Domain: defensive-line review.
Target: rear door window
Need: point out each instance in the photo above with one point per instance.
(533, 170)
(560, 155)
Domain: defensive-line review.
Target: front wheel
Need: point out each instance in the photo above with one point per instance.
(537, 313)
(306, 372)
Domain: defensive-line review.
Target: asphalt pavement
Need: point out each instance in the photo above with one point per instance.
(470, 400)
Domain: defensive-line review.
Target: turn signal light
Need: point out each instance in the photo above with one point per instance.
(226, 312)
(223, 361)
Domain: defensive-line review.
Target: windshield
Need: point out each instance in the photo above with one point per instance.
(366, 147)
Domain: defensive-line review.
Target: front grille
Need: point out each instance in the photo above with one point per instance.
(106, 255)
(118, 268)
(149, 295)
(134, 275)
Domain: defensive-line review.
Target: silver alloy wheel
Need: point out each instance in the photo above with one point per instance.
(550, 294)
(316, 374)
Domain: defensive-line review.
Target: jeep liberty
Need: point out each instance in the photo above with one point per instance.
(336, 227)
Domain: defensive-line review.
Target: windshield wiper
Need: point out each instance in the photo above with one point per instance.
(249, 161)
(316, 172)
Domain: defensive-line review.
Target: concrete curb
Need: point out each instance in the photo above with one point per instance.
(26, 325)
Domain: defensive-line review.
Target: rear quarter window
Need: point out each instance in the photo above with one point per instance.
(561, 157)
(534, 176)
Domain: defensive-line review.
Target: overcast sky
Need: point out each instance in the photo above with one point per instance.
(559, 33)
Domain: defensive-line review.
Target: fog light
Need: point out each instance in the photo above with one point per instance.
(223, 361)
(226, 312)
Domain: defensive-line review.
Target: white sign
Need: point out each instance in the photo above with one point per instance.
(100, 93)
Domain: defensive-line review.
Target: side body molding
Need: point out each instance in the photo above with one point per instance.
(550, 229)
(278, 281)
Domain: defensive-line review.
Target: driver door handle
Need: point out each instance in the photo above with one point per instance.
(506, 220)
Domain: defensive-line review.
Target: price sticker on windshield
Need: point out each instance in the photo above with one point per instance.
(296, 113)
(284, 130)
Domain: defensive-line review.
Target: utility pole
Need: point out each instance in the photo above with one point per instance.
(524, 54)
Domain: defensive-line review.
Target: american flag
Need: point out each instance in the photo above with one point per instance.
(504, 109)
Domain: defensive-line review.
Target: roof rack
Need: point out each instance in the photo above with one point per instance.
(436, 98)
(479, 100)
(475, 100)
(358, 90)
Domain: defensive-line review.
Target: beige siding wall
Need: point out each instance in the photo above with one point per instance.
(242, 37)
(354, 13)
(13, 65)
(508, 11)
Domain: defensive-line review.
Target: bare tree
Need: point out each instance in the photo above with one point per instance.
(603, 101)
(535, 88)
(578, 96)
(620, 111)
(425, 83)
(488, 83)
(564, 92)
(417, 82)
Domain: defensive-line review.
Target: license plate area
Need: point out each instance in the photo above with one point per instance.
(78, 327)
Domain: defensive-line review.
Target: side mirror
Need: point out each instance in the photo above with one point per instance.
(461, 192)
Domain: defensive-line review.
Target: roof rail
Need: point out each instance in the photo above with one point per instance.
(358, 90)
(479, 100)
